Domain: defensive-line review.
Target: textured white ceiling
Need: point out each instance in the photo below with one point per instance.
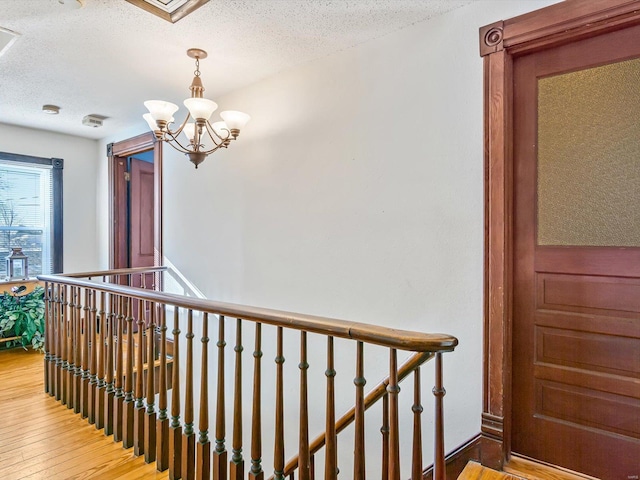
(109, 56)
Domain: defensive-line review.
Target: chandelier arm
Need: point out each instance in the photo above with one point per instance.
(217, 146)
(211, 129)
(175, 133)
(180, 148)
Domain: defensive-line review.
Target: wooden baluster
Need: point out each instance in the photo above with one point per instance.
(416, 464)
(304, 459)
(138, 415)
(48, 331)
(175, 430)
(109, 391)
(359, 470)
(203, 449)
(53, 358)
(71, 368)
(64, 339)
(50, 341)
(331, 449)
(128, 405)
(439, 392)
(93, 358)
(150, 417)
(278, 451)
(189, 437)
(385, 437)
(100, 354)
(59, 339)
(256, 472)
(118, 398)
(236, 465)
(84, 379)
(162, 424)
(220, 452)
(394, 435)
(77, 374)
(68, 359)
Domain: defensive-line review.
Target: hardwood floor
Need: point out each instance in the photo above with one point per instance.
(519, 468)
(42, 439)
(475, 471)
(530, 470)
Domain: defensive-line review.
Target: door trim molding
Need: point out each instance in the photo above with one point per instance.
(500, 42)
(125, 148)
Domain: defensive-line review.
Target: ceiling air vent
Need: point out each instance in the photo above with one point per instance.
(94, 121)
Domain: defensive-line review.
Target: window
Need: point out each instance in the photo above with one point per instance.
(31, 211)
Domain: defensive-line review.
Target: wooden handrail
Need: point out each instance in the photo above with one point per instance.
(410, 365)
(387, 337)
(117, 271)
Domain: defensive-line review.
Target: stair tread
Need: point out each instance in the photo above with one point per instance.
(475, 471)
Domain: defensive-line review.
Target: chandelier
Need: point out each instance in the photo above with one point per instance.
(197, 131)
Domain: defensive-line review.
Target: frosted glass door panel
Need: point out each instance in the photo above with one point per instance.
(589, 157)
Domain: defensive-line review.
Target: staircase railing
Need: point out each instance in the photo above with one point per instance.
(107, 342)
(412, 365)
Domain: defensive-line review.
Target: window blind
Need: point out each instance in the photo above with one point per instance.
(26, 213)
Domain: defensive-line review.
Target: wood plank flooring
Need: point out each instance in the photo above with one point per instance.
(475, 471)
(530, 470)
(42, 439)
(520, 468)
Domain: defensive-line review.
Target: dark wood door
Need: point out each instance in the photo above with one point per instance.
(141, 208)
(576, 304)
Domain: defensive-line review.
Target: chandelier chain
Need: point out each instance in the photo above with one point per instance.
(197, 72)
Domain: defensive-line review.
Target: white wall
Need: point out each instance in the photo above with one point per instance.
(79, 195)
(355, 192)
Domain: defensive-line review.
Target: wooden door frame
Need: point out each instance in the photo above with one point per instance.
(123, 149)
(500, 43)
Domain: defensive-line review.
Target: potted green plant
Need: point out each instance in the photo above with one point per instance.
(22, 316)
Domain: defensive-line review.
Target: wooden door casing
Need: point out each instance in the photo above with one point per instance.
(118, 152)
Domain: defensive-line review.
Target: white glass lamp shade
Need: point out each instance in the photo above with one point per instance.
(221, 129)
(161, 110)
(235, 120)
(200, 108)
(189, 131)
(151, 122)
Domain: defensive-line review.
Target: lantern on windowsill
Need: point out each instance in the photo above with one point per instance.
(17, 265)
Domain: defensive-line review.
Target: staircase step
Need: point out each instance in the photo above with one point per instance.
(520, 468)
(475, 471)
(533, 470)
